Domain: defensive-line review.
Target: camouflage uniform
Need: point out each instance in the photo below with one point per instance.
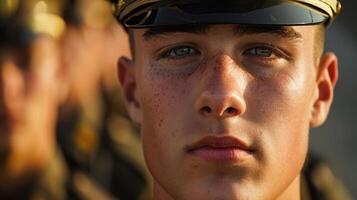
(55, 182)
(108, 150)
(77, 179)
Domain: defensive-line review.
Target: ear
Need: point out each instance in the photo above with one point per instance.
(127, 78)
(327, 76)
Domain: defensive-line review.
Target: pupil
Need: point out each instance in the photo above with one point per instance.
(182, 51)
(263, 51)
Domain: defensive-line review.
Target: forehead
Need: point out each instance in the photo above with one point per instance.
(287, 32)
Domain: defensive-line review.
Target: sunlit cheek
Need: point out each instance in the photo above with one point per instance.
(281, 97)
(277, 105)
(280, 105)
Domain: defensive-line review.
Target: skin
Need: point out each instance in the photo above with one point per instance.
(29, 99)
(184, 86)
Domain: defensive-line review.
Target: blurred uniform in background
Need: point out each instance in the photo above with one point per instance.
(33, 83)
(31, 167)
(319, 183)
(94, 131)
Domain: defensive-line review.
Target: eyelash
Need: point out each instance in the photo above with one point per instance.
(166, 53)
(275, 51)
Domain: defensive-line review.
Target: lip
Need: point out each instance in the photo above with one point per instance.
(225, 149)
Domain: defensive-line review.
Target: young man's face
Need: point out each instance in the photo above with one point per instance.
(225, 110)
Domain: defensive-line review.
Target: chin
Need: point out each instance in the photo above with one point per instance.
(221, 188)
(227, 194)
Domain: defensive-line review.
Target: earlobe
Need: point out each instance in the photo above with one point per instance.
(326, 79)
(126, 75)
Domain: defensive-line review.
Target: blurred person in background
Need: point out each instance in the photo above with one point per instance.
(318, 181)
(32, 86)
(94, 130)
(31, 167)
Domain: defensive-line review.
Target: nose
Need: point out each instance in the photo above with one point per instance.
(222, 87)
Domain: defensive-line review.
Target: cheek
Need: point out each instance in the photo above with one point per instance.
(164, 95)
(162, 101)
(163, 104)
(281, 106)
(283, 98)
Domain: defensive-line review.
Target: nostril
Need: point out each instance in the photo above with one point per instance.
(231, 111)
(206, 109)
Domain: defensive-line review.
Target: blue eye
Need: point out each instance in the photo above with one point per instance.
(265, 52)
(179, 52)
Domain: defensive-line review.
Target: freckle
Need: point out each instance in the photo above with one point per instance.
(194, 166)
(161, 122)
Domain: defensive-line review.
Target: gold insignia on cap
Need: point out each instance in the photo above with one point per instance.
(331, 7)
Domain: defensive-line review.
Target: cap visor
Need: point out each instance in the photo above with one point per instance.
(283, 14)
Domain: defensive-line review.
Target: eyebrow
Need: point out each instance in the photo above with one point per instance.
(163, 30)
(280, 31)
(239, 30)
